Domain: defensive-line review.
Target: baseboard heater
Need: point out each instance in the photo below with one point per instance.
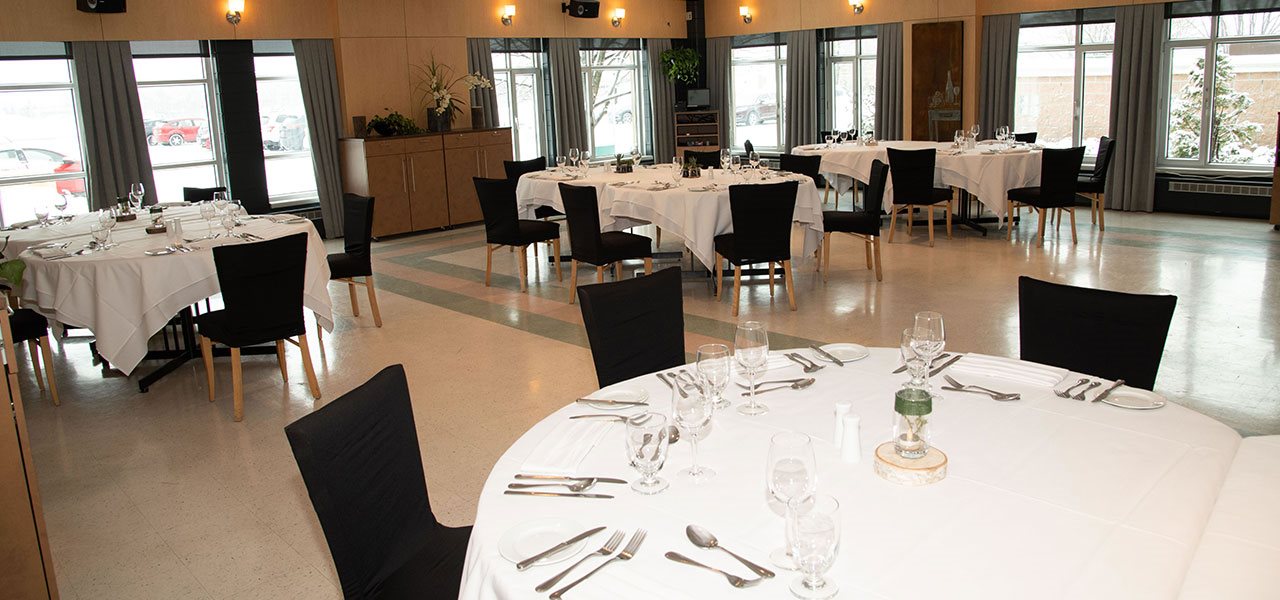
(1244, 197)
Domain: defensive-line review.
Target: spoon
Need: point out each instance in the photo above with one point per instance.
(734, 580)
(705, 539)
(580, 486)
(994, 396)
(809, 367)
(799, 385)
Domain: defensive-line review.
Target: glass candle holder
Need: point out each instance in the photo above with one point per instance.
(913, 409)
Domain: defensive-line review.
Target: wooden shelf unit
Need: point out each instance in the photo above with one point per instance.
(697, 130)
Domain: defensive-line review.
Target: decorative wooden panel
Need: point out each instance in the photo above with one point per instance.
(937, 80)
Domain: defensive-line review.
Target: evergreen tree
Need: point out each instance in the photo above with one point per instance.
(1232, 140)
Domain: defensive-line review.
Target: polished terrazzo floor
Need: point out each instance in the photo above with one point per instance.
(161, 495)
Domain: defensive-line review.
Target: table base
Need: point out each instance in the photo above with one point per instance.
(186, 348)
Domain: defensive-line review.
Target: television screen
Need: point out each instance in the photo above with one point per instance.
(699, 98)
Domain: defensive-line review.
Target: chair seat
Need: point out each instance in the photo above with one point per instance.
(343, 266)
(1088, 185)
(726, 245)
(434, 572)
(937, 195)
(546, 212)
(619, 245)
(530, 231)
(1031, 196)
(28, 325)
(843, 221)
(218, 327)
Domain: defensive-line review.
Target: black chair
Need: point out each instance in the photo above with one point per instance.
(1107, 334)
(634, 326)
(26, 325)
(262, 286)
(592, 246)
(1026, 138)
(1094, 185)
(1059, 174)
(748, 147)
(706, 160)
(355, 260)
(504, 227)
(810, 166)
(191, 194)
(360, 460)
(863, 224)
(913, 172)
(762, 215)
(516, 168)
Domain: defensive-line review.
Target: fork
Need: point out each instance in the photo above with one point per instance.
(1080, 396)
(962, 386)
(1067, 392)
(809, 366)
(605, 550)
(626, 554)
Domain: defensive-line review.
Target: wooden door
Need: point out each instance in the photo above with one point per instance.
(388, 184)
(492, 155)
(428, 197)
(462, 164)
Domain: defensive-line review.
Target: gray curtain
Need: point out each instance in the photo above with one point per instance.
(802, 88)
(480, 60)
(664, 97)
(1135, 90)
(566, 95)
(998, 71)
(115, 143)
(719, 64)
(318, 75)
(889, 81)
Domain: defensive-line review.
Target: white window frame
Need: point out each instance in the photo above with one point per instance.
(639, 120)
(536, 71)
(857, 60)
(215, 119)
(293, 200)
(1080, 49)
(779, 62)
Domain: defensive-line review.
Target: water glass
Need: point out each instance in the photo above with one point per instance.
(585, 160)
(173, 231)
(714, 369)
(813, 535)
(928, 338)
(647, 451)
(677, 171)
(220, 200)
(751, 350)
(228, 222)
(136, 193)
(560, 162)
(636, 155)
(692, 414)
(107, 218)
(754, 159)
(99, 233)
(913, 361)
(60, 203)
(208, 212)
(830, 139)
(726, 158)
(573, 156)
(958, 138)
(975, 131)
(42, 212)
(790, 474)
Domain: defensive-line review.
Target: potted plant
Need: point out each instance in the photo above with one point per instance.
(680, 65)
(435, 84)
(392, 124)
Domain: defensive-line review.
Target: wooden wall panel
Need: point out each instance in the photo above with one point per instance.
(171, 20)
(447, 51)
(287, 19)
(371, 18)
(47, 20)
(375, 77)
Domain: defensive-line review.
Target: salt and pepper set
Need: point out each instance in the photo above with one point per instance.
(848, 433)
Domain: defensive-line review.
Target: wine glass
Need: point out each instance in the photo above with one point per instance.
(726, 158)
(751, 350)
(107, 218)
(928, 337)
(830, 139)
(636, 155)
(959, 138)
(790, 475)
(585, 157)
(913, 361)
(220, 202)
(754, 158)
(692, 413)
(42, 212)
(228, 222)
(647, 451)
(560, 162)
(735, 163)
(99, 233)
(975, 131)
(208, 212)
(573, 156)
(813, 536)
(136, 194)
(60, 202)
(714, 369)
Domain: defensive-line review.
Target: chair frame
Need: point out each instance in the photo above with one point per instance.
(737, 281)
(910, 210)
(524, 261)
(37, 348)
(617, 273)
(237, 379)
(871, 243)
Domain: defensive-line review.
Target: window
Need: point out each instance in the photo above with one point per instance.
(614, 88)
(759, 84)
(1063, 90)
(40, 144)
(518, 76)
(1223, 115)
(851, 79)
(286, 141)
(175, 85)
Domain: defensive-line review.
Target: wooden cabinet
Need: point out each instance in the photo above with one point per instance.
(424, 181)
(696, 130)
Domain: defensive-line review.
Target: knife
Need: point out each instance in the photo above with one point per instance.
(945, 365)
(528, 562)
(903, 368)
(826, 354)
(567, 477)
(1107, 392)
(554, 494)
(618, 417)
(611, 402)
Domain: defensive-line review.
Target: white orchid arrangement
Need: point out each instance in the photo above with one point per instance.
(436, 83)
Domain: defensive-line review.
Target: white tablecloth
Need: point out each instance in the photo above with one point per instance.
(693, 216)
(984, 174)
(1045, 498)
(125, 297)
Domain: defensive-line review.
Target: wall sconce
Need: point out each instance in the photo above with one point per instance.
(857, 6)
(508, 13)
(618, 15)
(745, 13)
(234, 8)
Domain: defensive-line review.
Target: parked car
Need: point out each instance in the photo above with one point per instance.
(25, 162)
(202, 137)
(293, 135)
(274, 128)
(149, 126)
(176, 132)
(765, 108)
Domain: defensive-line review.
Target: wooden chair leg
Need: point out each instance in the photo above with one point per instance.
(1044, 214)
(1102, 212)
(524, 258)
(488, 263)
(1093, 209)
(48, 369)
(826, 256)
(237, 387)
(648, 265)
(893, 223)
(306, 366)
(33, 348)
(555, 257)
(284, 371)
(826, 195)
(617, 271)
(1072, 211)
(911, 218)
(737, 288)
(786, 277)
(948, 219)
(206, 349)
(599, 274)
(373, 301)
(866, 245)
(573, 281)
(719, 275)
(351, 291)
(1008, 221)
(879, 277)
(771, 280)
(319, 329)
(930, 207)
(658, 242)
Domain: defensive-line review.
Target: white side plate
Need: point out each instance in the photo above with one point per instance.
(621, 394)
(529, 538)
(1135, 399)
(844, 352)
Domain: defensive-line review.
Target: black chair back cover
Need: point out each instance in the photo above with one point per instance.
(516, 168)
(498, 204)
(262, 285)
(1059, 174)
(912, 172)
(873, 194)
(635, 326)
(804, 165)
(762, 216)
(362, 466)
(1106, 149)
(706, 160)
(748, 147)
(582, 212)
(191, 194)
(1107, 334)
(1026, 138)
(357, 228)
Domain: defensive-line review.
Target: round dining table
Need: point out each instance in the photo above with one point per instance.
(1045, 497)
(125, 296)
(694, 210)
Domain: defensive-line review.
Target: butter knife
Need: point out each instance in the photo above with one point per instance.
(903, 368)
(611, 402)
(598, 416)
(945, 365)
(554, 494)
(1107, 392)
(827, 355)
(570, 478)
(528, 562)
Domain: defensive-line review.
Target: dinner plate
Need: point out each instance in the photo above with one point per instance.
(531, 537)
(844, 352)
(624, 394)
(159, 251)
(1135, 399)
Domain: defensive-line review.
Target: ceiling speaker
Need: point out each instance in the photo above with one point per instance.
(582, 9)
(100, 6)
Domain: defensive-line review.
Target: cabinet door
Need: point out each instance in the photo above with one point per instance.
(389, 186)
(428, 199)
(492, 156)
(461, 164)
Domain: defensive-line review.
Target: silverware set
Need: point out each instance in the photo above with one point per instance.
(1084, 385)
(826, 355)
(956, 386)
(704, 539)
(627, 554)
(798, 384)
(809, 366)
(575, 486)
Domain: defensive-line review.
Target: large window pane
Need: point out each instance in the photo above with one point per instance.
(1045, 95)
(759, 97)
(18, 201)
(517, 86)
(40, 145)
(1186, 102)
(183, 141)
(1098, 33)
(844, 96)
(286, 140)
(169, 182)
(868, 94)
(1190, 28)
(35, 72)
(1246, 99)
(1249, 25)
(1095, 110)
(1037, 37)
(611, 82)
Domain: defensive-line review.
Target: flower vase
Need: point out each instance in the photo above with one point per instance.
(439, 123)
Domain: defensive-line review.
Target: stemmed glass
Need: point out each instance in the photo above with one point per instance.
(42, 212)
(751, 350)
(959, 138)
(647, 451)
(220, 202)
(914, 362)
(136, 192)
(829, 139)
(560, 162)
(714, 369)
(107, 218)
(228, 222)
(635, 157)
(208, 212)
(236, 209)
(676, 171)
(813, 535)
(754, 159)
(60, 203)
(692, 412)
(928, 338)
(790, 475)
(726, 159)
(573, 157)
(99, 233)
(585, 158)
(975, 131)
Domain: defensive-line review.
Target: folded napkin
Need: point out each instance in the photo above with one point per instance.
(1016, 150)
(1008, 369)
(51, 253)
(177, 204)
(286, 219)
(22, 224)
(560, 452)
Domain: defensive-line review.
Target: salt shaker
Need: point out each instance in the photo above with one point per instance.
(851, 442)
(842, 408)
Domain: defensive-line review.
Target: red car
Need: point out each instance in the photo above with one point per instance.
(19, 162)
(177, 132)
